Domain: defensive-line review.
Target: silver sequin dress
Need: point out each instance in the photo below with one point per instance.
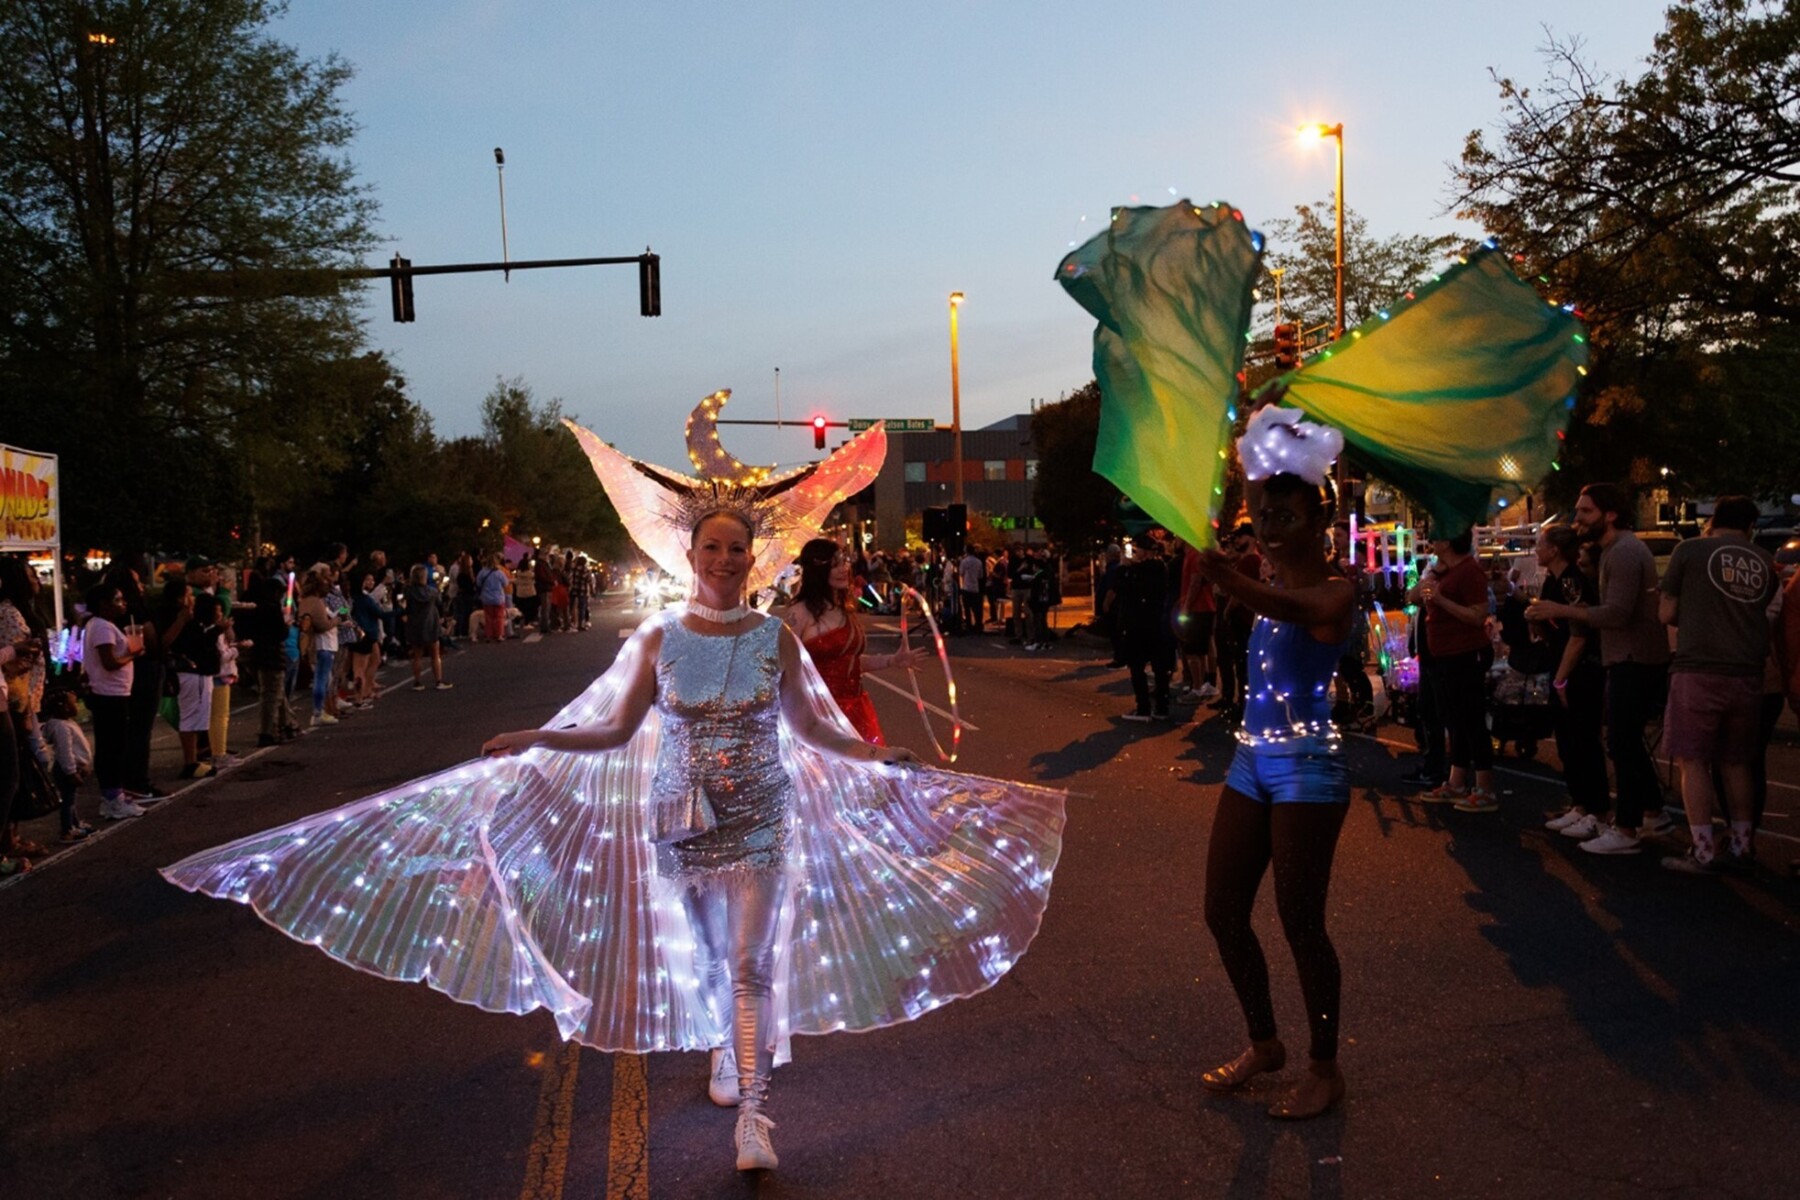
(719, 697)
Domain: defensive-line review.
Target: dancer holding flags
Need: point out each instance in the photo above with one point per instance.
(1461, 387)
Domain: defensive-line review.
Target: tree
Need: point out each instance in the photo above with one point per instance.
(1075, 505)
(540, 480)
(1376, 270)
(1665, 206)
(144, 148)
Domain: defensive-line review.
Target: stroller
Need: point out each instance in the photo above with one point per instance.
(1519, 707)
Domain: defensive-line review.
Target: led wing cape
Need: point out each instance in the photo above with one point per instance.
(1171, 290)
(1462, 388)
(526, 883)
(656, 505)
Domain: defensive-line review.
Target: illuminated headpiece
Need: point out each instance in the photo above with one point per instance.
(1278, 441)
(660, 508)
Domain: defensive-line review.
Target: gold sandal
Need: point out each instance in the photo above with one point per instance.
(1245, 1067)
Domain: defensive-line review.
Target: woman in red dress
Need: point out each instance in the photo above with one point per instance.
(823, 616)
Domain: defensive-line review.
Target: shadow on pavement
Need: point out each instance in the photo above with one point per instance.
(1084, 754)
(1692, 986)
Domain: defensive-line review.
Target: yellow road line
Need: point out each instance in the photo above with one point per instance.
(547, 1158)
(628, 1147)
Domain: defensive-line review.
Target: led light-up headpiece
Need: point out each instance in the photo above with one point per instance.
(659, 508)
(1278, 440)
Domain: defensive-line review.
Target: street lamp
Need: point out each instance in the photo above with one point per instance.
(1335, 132)
(956, 299)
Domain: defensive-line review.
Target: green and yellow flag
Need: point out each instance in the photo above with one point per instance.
(1171, 290)
(1463, 387)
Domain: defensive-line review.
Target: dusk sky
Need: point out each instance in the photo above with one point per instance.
(819, 177)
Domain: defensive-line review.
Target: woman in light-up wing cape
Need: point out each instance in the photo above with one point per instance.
(832, 885)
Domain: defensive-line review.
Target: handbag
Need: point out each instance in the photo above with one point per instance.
(677, 815)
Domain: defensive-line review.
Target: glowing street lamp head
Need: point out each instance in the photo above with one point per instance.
(1318, 131)
(956, 298)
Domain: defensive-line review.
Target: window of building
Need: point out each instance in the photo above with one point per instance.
(1031, 468)
(994, 469)
(915, 472)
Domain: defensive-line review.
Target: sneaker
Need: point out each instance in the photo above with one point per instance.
(1161, 714)
(1478, 801)
(1206, 691)
(723, 1086)
(1738, 859)
(224, 762)
(1564, 819)
(1141, 718)
(147, 796)
(196, 770)
(1612, 841)
(418, 685)
(324, 718)
(443, 685)
(1691, 864)
(1655, 824)
(1582, 828)
(1443, 793)
(754, 1151)
(84, 827)
(73, 834)
(119, 810)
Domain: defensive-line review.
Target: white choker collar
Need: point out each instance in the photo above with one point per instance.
(719, 616)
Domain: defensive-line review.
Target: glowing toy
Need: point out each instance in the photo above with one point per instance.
(937, 638)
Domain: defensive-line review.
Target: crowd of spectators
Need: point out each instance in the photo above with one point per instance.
(1693, 666)
(173, 644)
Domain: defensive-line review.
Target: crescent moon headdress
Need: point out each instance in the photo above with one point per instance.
(659, 507)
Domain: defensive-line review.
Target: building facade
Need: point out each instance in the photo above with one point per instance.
(999, 472)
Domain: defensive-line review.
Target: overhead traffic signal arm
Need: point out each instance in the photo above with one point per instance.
(400, 273)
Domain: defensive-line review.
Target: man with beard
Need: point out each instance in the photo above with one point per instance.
(1634, 648)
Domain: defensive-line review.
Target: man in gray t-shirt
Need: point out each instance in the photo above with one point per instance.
(1716, 593)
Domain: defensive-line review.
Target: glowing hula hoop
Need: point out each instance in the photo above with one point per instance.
(956, 721)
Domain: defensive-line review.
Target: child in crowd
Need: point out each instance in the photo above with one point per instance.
(74, 759)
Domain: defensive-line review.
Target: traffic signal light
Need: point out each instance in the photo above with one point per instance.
(818, 424)
(400, 285)
(650, 284)
(1287, 346)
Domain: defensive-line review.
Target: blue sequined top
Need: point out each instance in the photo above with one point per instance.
(1288, 694)
(719, 697)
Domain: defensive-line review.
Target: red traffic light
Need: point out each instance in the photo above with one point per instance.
(1287, 346)
(818, 424)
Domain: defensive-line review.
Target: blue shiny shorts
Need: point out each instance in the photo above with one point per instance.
(1302, 771)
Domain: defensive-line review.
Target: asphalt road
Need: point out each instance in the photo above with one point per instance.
(1520, 1019)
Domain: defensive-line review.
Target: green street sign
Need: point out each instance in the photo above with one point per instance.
(894, 424)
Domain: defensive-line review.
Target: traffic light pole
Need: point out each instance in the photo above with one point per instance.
(401, 272)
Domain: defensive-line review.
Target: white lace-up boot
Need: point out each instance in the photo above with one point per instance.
(723, 1087)
(754, 1150)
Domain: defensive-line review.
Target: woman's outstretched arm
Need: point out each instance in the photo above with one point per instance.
(619, 724)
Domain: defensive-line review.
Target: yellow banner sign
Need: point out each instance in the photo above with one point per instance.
(28, 504)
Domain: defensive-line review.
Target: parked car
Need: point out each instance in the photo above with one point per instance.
(1662, 543)
(1773, 540)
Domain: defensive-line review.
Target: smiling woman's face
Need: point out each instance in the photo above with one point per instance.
(721, 556)
(1288, 527)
